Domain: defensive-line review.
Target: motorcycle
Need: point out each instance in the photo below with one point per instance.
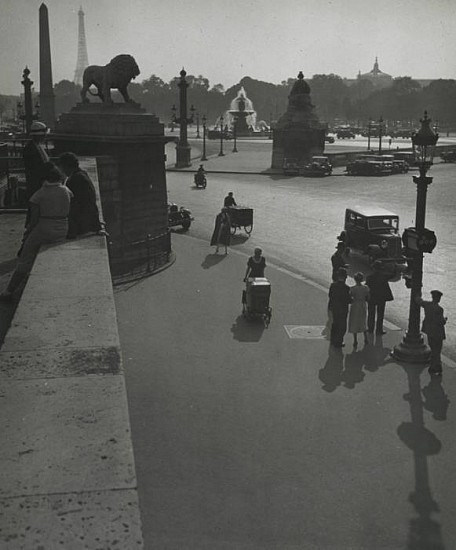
(200, 180)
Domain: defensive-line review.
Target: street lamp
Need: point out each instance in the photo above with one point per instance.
(221, 153)
(418, 240)
(198, 125)
(183, 149)
(204, 138)
(369, 129)
(235, 136)
(380, 133)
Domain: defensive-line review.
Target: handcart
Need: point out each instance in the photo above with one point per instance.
(241, 216)
(255, 299)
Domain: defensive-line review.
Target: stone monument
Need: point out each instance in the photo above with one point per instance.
(298, 133)
(47, 99)
(129, 145)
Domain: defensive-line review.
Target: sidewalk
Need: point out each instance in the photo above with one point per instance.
(249, 437)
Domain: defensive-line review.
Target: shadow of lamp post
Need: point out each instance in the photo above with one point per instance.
(418, 240)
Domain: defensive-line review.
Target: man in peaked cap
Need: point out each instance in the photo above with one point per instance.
(434, 327)
(35, 157)
(339, 299)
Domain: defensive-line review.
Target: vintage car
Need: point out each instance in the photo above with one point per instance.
(329, 139)
(363, 167)
(448, 156)
(317, 167)
(375, 232)
(290, 167)
(407, 156)
(400, 167)
(343, 133)
(179, 216)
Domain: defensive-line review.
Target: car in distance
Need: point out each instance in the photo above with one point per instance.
(290, 167)
(343, 133)
(363, 167)
(329, 139)
(448, 156)
(375, 232)
(318, 166)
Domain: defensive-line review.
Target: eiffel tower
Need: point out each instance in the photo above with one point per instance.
(83, 60)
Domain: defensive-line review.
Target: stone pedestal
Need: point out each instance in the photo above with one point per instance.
(183, 154)
(130, 148)
(299, 142)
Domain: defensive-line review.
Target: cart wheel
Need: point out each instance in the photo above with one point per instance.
(233, 229)
(248, 229)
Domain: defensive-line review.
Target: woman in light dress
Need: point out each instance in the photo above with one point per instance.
(357, 318)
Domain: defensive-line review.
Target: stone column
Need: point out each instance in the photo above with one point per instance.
(47, 99)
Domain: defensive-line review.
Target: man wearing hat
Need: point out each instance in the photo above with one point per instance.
(434, 327)
(379, 294)
(339, 299)
(337, 260)
(35, 157)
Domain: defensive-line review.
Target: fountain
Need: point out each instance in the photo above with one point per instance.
(242, 115)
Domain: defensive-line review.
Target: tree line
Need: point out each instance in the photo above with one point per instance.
(334, 98)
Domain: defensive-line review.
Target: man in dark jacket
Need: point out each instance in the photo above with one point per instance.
(84, 216)
(35, 157)
(379, 294)
(339, 299)
(338, 260)
(229, 200)
(434, 327)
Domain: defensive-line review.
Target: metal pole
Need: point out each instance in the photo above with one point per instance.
(28, 108)
(197, 125)
(234, 136)
(221, 153)
(380, 129)
(204, 139)
(369, 126)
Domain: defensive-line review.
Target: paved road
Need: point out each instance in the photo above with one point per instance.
(246, 439)
(296, 221)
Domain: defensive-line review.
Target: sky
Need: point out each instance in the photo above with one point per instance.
(225, 40)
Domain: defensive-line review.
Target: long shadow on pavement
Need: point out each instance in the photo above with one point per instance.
(247, 330)
(425, 532)
(212, 259)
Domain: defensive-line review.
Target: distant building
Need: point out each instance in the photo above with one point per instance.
(378, 78)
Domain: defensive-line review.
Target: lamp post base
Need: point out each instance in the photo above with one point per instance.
(412, 350)
(183, 156)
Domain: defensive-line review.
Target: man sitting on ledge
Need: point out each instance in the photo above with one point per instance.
(84, 216)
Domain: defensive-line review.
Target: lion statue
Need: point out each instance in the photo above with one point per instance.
(116, 74)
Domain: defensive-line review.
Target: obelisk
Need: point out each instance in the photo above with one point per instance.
(47, 102)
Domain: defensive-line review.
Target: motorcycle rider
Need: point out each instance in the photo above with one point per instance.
(200, 176)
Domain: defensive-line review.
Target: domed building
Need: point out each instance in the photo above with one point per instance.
(378, 78)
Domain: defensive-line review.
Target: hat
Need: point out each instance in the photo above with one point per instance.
(436, 293)
(38, 128)
(340, 244)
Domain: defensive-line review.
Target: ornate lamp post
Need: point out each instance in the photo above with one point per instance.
(369, 129)
(380, 133)
(204, 138)
(28, 116)
(221, 153)
(418, 239)
(198, 125)
(183, 148)
(235, 136)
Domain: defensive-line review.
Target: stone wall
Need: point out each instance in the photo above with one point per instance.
(67, 476)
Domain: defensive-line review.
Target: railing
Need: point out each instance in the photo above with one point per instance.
(135, 260)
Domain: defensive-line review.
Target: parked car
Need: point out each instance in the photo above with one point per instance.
(448, 156)
(362, 167)
(343, 133)
(179, 216)
(400, 167)
(290, 167)
(407, 156)
(329, 139)
(318, 166)
(375, 232)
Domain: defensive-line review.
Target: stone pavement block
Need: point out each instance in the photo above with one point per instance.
(72, 521)
(57, 427)
(80, 322)
(56, 363)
